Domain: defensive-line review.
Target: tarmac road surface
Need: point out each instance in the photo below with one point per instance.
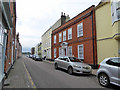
(44, 75)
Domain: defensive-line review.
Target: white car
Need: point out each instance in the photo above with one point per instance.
(72, 65)
(109, 71)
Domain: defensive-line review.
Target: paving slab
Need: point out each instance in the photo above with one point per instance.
(18, 77)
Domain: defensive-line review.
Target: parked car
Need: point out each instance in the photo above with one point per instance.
(72, 65)
(109, 71)
(37, 58)
(30, 56)
(33, 57)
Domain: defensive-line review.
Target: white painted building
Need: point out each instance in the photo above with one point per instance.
(46, 37)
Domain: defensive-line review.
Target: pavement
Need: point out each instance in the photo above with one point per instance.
(18, 76)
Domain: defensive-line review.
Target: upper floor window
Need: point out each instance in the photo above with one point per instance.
(80, 30)
(1, 34)
(69, 33)
(55, 39)
(118, 9)
(115, 11)
(60, 37)
(64, 35)
(80, 52)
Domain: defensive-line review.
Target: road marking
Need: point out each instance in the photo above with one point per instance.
(29, 77)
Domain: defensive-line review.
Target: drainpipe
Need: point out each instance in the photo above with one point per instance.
(93, 40)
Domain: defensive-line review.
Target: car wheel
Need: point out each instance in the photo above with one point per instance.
(56, 66)
(104, 80)
(70, 70)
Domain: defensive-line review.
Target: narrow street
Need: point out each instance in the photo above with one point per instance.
(45, 76)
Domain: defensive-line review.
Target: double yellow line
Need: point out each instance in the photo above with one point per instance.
(29, 77)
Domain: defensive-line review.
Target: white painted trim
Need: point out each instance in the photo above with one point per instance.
(83, 51)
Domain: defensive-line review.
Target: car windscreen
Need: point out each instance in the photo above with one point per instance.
(37, 56)
(74, 59)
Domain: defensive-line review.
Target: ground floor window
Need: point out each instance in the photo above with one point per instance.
(54, 52)
(60, 51)
(70, 50)
(81, 51)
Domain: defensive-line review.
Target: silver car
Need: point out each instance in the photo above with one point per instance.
(109, 71)
(72, 65)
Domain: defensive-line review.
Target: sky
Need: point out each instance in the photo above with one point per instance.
(35, 17)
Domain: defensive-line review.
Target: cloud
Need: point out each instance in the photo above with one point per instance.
(34, 17)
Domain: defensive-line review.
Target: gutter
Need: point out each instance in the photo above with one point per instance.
(93, 40)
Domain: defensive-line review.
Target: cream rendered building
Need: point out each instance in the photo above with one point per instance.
(108, 29)
(36, 49)
(46, 37)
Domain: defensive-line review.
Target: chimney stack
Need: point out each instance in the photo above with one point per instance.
(63, 18)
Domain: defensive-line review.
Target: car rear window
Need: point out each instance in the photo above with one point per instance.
(114, 62)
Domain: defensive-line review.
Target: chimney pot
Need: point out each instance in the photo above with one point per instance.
(64, 14)
(61, 13)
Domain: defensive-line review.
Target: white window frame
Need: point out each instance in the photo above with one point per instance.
(69, 33)
(64, 36)
(114, 10)
(70, 50)
(60, 37)
(81, 56)
(54, 38)
(1, 34)
(54, 52)
(60, 51)
(80, 30)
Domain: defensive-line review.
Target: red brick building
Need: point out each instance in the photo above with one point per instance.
(10, 44)
(77, 37)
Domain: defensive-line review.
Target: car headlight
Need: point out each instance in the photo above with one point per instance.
(87, 67)
(76, 66)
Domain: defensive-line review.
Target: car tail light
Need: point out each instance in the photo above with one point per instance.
(99, 66)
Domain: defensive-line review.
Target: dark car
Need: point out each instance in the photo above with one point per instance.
(37, 58)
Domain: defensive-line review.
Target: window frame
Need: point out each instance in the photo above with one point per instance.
(80, 29)
(64, 34)
(60, 37)
(55, 39)
(82, 52)
(55, 50)
(69, 33)
(60, 51)
(114, 11)
(70, 50)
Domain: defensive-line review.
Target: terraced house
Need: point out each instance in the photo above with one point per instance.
(108, 29)
(77, 37)
(8, 39)
(46, 37)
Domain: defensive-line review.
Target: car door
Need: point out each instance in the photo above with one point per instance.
(59, 62)
(114, 69)
(66, 63)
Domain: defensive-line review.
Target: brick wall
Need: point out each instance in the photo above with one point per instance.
(86, 39)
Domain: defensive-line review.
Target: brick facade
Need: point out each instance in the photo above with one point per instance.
(87, 17)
